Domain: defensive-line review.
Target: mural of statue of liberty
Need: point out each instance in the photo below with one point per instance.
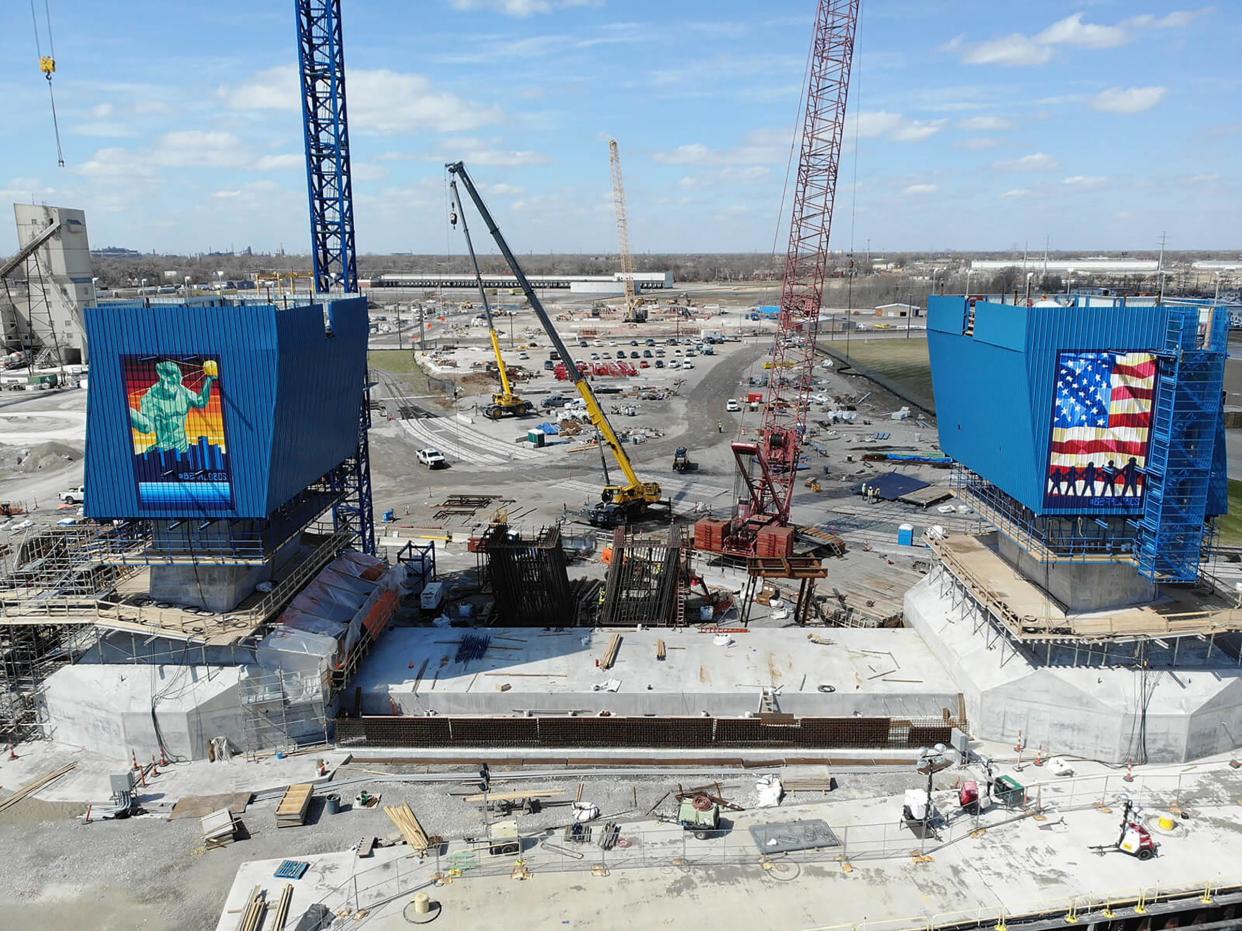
(167, 403)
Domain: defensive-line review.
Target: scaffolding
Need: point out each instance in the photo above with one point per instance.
(283, 710)
(1185, 427)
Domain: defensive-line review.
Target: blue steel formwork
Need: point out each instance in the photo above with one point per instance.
(1185, 426)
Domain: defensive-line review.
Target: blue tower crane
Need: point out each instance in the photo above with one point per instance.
(321, 70)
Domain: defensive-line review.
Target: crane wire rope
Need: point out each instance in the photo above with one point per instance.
(47, 65)
(856, 81)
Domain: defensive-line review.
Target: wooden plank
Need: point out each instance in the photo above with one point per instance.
(406, 822)
(514, 796)
(661, 650)
(610, 655)
(196, 806)
(32, 787)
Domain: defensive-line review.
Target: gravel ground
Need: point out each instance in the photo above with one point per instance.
(146, 872)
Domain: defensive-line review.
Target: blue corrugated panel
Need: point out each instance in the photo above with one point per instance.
(994, 369)
(287, 392)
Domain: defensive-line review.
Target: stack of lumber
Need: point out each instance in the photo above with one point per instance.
(282, 908)
(409, 827)
(32, 787)
(291, 812)
(219, 829)
(610, 655)
(255, 911)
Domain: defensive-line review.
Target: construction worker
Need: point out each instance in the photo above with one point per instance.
(720, 426)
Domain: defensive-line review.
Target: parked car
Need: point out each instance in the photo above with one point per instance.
(687, 364)
(74, 495)
(732, 406)
(659, 363)
(432, 458)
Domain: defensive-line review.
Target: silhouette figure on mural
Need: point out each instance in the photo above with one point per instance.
(1072, 480)
(1088, 480)
(1109, 474)
(1057, 477)
(1130, 473)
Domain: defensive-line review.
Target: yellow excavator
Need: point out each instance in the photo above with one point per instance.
(505, 403)
(618, 504)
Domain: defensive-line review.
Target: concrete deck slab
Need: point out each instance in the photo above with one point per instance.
(868, 672)
(1017, 866)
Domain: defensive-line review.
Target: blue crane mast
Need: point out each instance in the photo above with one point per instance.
(321, 70)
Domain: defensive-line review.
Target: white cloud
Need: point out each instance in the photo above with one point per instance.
(504, 157)
(279, 162)
(1128, 99)
(1073, 31)
(502, 189)
(1085, 181)
(984, 123)
(1036, 161)
(883, 124)
(225, 195)
(758, 147)
(380, 101)
(115, 163)
(1208, 177)
(921, 189)
(1175, 20)
(200, 147)
(1016, 193)
(102, 111)
(521, 8)
(978, 144)
(1014, 50)
(1018, 50)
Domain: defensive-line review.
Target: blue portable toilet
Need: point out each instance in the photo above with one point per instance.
(905, 535)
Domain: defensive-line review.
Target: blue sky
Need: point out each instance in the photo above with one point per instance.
(981, 124)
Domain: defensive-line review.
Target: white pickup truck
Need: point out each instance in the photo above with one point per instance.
(432, 458)
(75, 495)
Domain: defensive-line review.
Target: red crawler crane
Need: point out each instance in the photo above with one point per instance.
(761, 524)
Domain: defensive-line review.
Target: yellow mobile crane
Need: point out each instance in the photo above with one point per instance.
(505, 403)
(618, 504)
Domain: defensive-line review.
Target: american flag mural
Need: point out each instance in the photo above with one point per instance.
(1101, 425)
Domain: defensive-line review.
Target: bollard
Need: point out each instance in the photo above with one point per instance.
(1140, 907)
(1071, 916)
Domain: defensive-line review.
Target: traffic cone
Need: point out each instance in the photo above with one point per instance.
(1039, 756)
(1019, 746)
(163, 758)
(12, 754)
(154, 767)
(1129, 776)
(134, 757)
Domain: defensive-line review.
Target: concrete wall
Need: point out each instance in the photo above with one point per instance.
(1081, 587)
(108, 709)
(1110, 711)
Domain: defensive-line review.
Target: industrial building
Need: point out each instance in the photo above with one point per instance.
(575, 284)
(47, 287)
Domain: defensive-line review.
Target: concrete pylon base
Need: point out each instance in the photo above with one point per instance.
(1083, 702)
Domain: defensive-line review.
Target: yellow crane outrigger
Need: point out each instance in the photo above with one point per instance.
(505, 403)
(618, 503)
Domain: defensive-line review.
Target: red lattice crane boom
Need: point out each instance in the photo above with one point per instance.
(769, 466)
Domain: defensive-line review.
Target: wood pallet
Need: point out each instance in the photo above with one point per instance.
(291, 812)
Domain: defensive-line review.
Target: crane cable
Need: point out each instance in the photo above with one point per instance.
(47, 65)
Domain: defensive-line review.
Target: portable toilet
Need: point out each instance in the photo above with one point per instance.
(537, 438)
(905, 535)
